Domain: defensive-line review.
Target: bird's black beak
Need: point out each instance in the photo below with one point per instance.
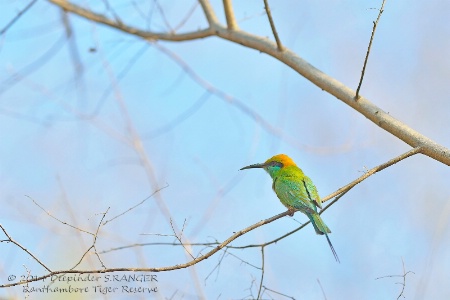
(253, 166)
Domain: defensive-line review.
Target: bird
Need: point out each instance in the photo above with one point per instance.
(296, 191)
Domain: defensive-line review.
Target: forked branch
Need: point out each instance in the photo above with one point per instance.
(290, 58)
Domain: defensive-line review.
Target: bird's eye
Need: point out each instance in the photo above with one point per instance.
(277, 164)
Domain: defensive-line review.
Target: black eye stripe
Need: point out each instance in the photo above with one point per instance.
(277, 164)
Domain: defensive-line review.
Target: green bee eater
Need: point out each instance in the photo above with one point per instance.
(295, 191)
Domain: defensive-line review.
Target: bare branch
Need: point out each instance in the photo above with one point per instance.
(133, 207)
(217, 266)
(272, 25)
(225, 243)
(10, 240)
(337, 194)
(344, 93)
(148, 35)
(368, 49)
(209, 13)
(370, 173)
(340, 192)
(17, 17)
(402, 283)
(163, 15)
(186, 18)
(75, 56)
(160, 269)
(278, 293)
(229, 14)
(93, 244)
(321, 288)
(29, 69)
(290, 58)
(60, 221)
(420, 143)
(404, 280)
(113, 13)
(96, 235)
(179, 237)
(238, 103)
(262, 273)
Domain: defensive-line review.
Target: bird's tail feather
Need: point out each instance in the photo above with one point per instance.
(319, 225)
(321, 228)
(332, 249)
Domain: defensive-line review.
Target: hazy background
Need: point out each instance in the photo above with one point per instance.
(75, 111)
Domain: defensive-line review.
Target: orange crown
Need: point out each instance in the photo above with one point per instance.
(282, 158)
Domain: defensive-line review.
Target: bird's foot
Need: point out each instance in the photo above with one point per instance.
(291, 211)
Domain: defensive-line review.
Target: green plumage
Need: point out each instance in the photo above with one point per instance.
(296, 191)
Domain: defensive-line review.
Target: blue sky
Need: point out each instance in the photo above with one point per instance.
(70, 142)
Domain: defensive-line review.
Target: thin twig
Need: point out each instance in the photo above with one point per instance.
(278, 293)
(10, 240)
(373, 171)
(34, 66)
(262, 273)
(179, 237)
(133, 207)
(217, 266)
(60, 221)
(93, 244)
(187, 17)
(113, 13)
(163, 16)
(321, 288)
(96, 235)
(404, 280)
(64, 200)
(238, 103)
(403, 276)
(368, 49)
(272, 25)
(82, 257)
(17, 17)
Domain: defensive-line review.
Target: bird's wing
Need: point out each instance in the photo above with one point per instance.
(312, 192)
(292, 192)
